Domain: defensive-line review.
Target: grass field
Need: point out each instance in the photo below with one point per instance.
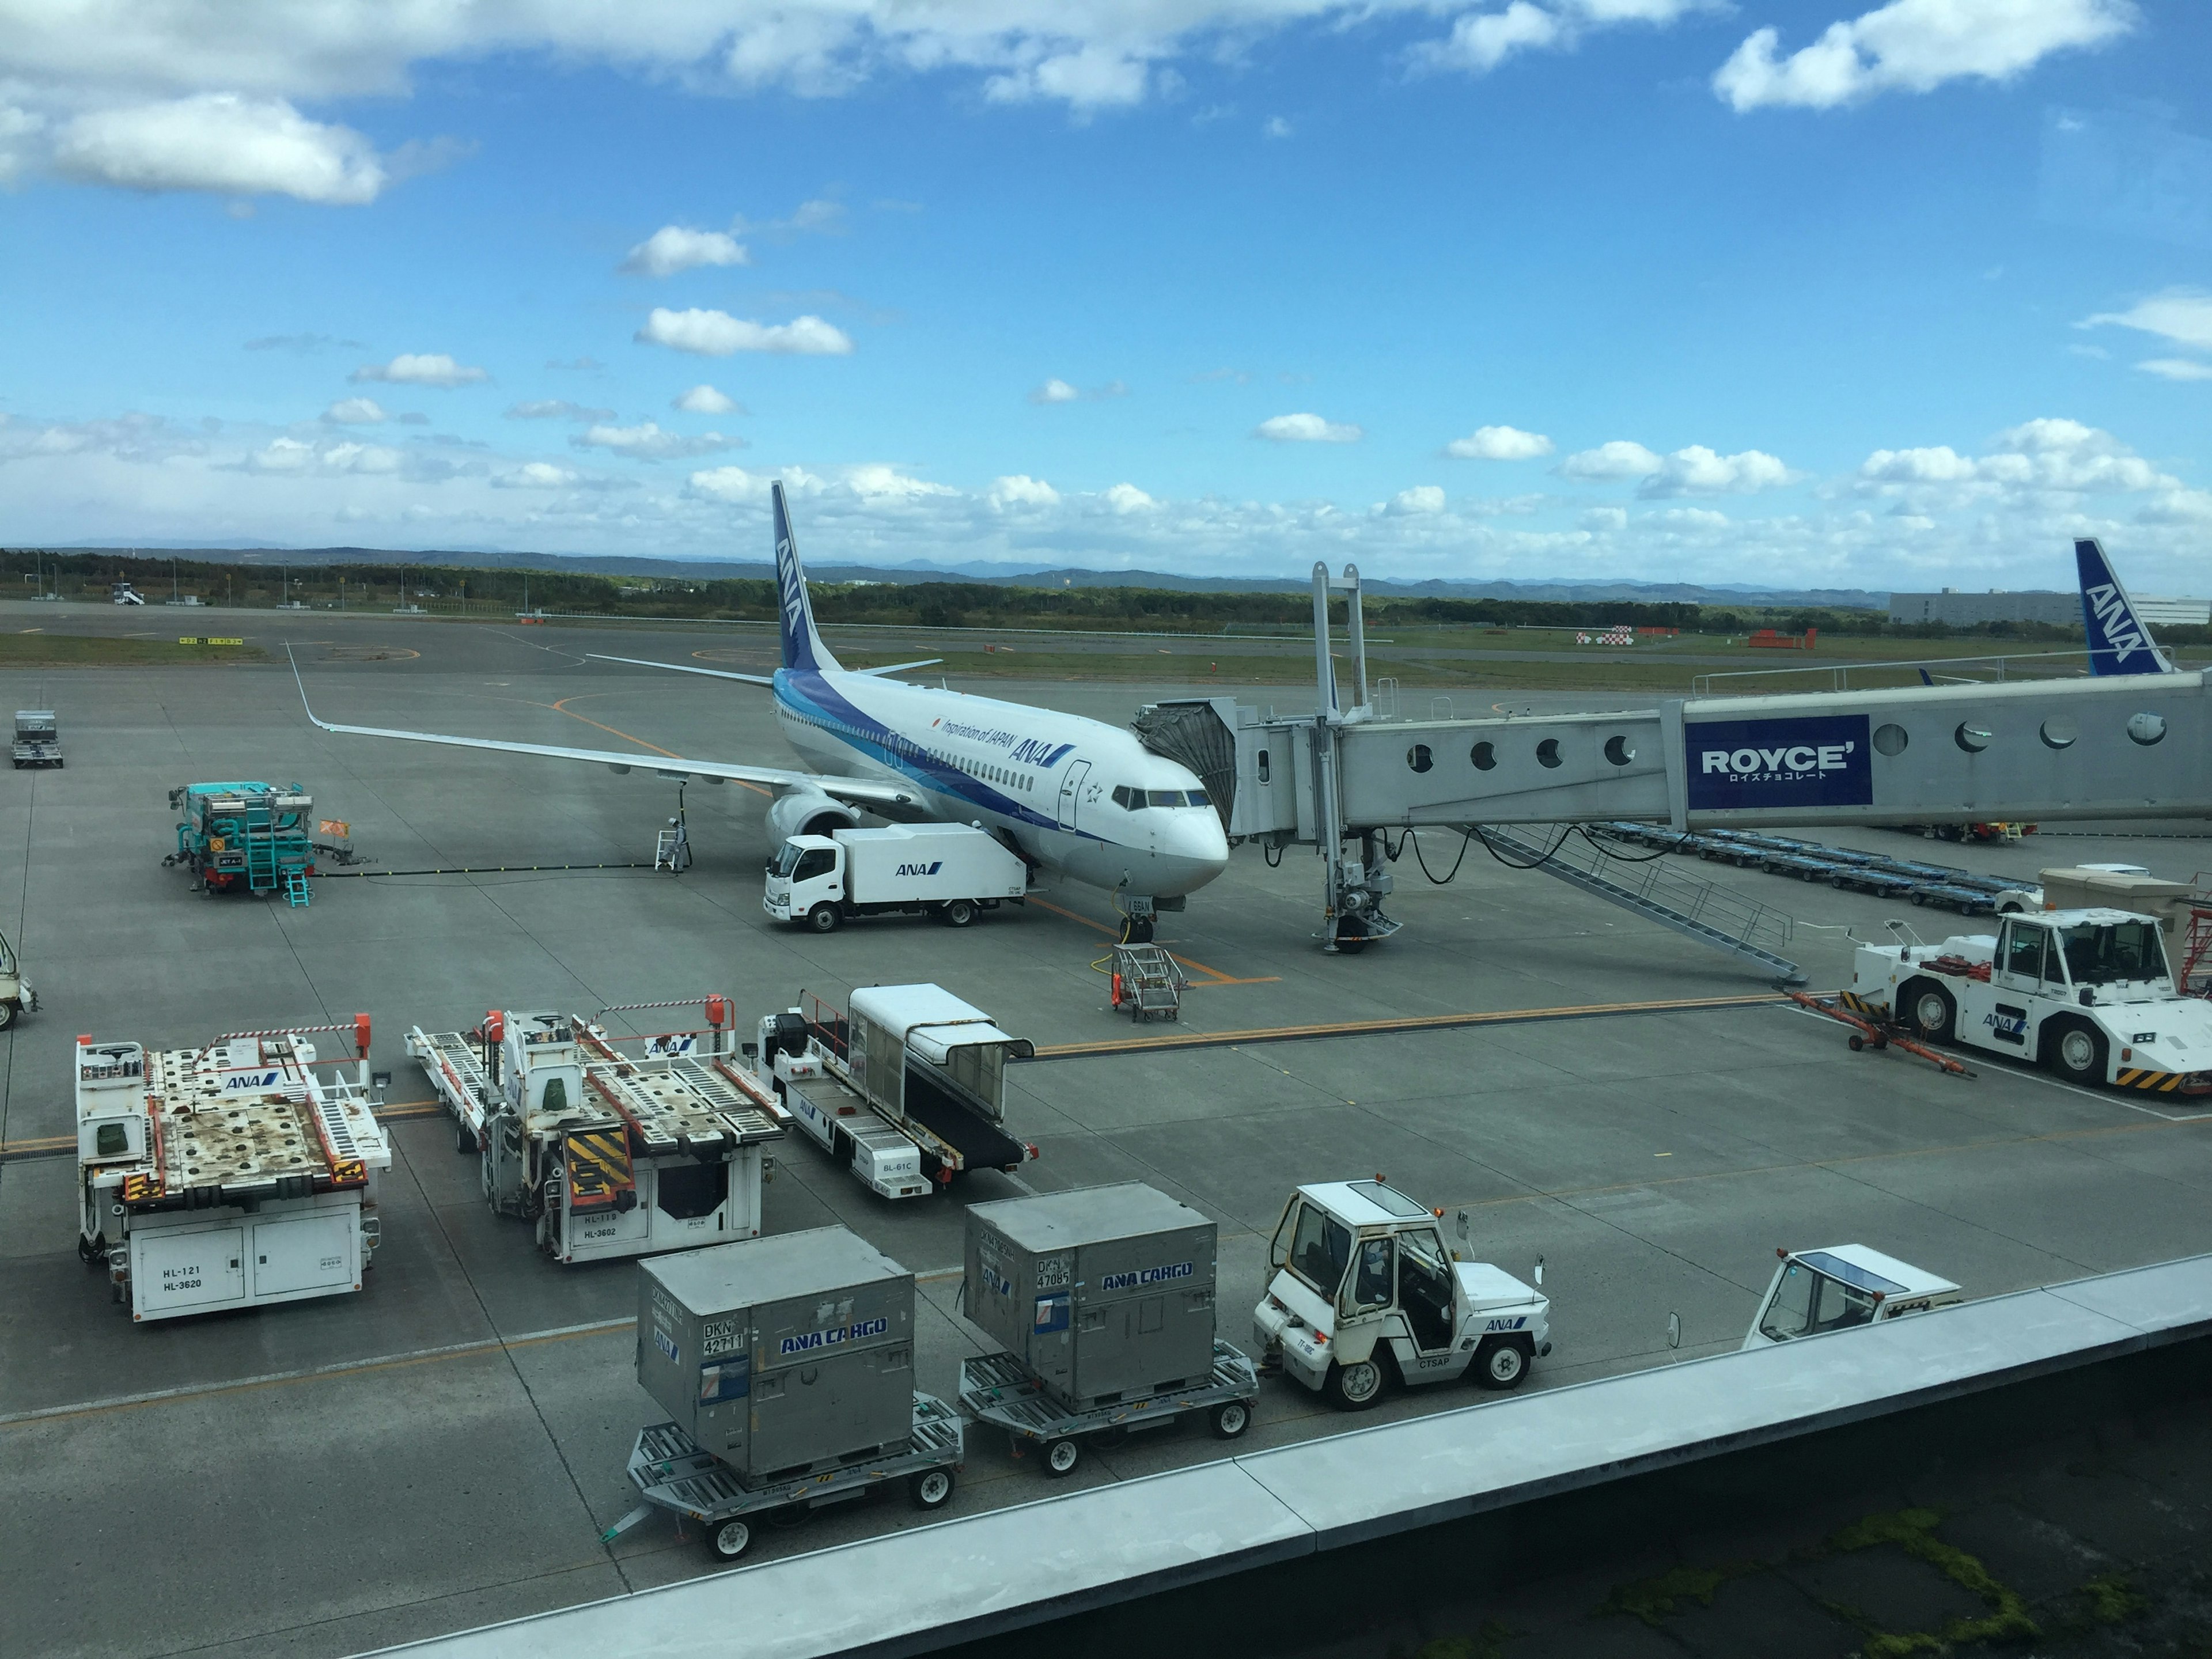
(36, 648)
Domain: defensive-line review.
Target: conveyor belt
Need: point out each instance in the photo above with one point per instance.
(982, 1144)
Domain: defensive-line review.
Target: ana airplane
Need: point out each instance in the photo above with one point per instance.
(1075, 796)
(2119, 643)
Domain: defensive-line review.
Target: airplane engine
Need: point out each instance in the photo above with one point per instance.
(808, 813)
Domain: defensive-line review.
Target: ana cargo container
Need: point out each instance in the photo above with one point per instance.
(950, 871)
(786, 1365)
(227, 1176)
(1104, 1297)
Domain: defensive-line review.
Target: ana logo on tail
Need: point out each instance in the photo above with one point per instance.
(2118, 641)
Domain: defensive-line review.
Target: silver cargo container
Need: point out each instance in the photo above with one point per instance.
(1104, 1294)
(784, 1355)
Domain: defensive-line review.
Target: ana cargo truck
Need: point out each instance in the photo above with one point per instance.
(1366, 1290)
(608, 1154)
(1844, 1285)
(786, 1367)
(950, 871)
(2087, 992)
(1104, 1299)
(906, 1092)
(227, 1176)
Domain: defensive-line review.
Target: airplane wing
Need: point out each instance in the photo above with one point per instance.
(860, 791)
(897, 667)
(686, 668)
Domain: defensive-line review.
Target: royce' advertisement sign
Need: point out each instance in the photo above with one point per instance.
(1811, 761)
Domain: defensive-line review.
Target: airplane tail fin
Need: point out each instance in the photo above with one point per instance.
(802, 643)
(2119, 643)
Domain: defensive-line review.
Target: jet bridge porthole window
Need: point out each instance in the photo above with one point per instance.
(1890, 739)
(1548, 752)
(1972, 736)
(1419, 758)
(2146, 729)
(2060, 732)
(1483, 755)
(1618, 750)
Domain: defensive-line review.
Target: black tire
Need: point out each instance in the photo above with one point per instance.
(959, 914)
(1357, 1387)
(2076, 1050)
(931, 1489)
(1504, 1363)
(1059, 1458)
(1855, 1042)
(1230, 1418)
(6, 1015)
(1929, 1009)
(824, 918)
(728, 1540)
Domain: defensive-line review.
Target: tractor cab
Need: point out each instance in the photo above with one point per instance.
(1815, 1291)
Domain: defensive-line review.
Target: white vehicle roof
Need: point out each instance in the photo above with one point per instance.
(1870, 1270)
(935, 1043)
(1365, 1203)
(2102, 915)
(900, 1008)
(2116, 869)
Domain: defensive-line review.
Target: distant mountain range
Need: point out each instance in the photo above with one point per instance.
(1853, 598)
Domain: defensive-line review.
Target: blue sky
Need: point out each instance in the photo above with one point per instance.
(1799, 292)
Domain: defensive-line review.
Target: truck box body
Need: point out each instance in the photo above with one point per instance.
(782, 1355)
(910, 866)
(2078, 889)
(1105, 1293)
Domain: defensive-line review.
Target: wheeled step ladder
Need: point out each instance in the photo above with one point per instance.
(295, 889)
(1702, 910)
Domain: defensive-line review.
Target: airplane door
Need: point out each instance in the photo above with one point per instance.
(1071, 790)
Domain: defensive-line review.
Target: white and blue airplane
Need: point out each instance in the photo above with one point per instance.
(2119, 642)
(1074, 796)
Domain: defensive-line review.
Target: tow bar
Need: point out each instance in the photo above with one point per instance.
(1877, 1034)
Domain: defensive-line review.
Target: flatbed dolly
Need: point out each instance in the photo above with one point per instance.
(997, 1390)
(670, 1472)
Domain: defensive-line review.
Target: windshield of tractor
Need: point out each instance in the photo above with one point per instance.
(1321, 1249)
(787, 859)
(2105, 953)
(1806, 1302)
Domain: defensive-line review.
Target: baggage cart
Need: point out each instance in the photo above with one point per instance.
(998, 1390)
(1147, 981)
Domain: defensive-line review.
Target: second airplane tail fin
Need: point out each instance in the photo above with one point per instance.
(802, 642)
(2119, 643)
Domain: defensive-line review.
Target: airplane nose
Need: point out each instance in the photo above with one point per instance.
(1193, 851)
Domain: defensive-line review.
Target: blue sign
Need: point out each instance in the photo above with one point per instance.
(1809, 761)
(1052, 1313)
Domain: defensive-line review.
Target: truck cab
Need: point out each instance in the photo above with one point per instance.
(2087, 992)
(1843, 1286)
(807, 871)
(1366, 1290)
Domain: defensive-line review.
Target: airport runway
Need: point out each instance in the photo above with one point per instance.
(444, 1448)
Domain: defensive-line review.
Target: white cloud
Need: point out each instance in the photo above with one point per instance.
(1277, 127)
(2183, 315)
(1621, 458)
(1499, 443)
(535, 475)
(220, 142)
(733, 484)
(877, 483)
(717, 334)
(420, 368)
(1095, 76)
(1127, 498)
(1307, 430)
(1915, 45)
(1019, 489)
(703, 399)
(2033, 466)
(1421, 498)
(355, 411)
(1698, 470)
(1604, 521)
(678, 247)
(2176, 368)
(556, 408)
(647, 442)
(1054, 391)
(1480, 40)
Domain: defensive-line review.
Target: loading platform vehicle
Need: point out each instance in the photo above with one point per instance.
(607, 1153)
(906, 1090)
(1104, 1297)
(228, 1176)
(38, 739)
(1841, 1287)
(243, 837)
(1365, 1291)
(786, 1367)
(2087, 992)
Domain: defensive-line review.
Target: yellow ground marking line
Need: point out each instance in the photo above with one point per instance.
(1217, 977)
(561, 707)
(1407, 1022)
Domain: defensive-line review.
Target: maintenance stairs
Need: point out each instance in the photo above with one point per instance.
(1693, 906)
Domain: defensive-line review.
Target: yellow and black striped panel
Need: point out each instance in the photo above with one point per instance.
(598, 1168)
(2162, 1082)
(1859, 1004)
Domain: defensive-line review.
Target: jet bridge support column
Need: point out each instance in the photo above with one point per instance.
(1354, 888)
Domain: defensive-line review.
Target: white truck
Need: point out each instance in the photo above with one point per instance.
(2087, 992)
(906, 1092)
(949, 869)
(1834, 1288)
(38, 739)
(227, 1176)
(1366, 1290)
(608, 1154)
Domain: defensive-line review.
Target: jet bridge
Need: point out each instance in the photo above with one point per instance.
(1338, 780)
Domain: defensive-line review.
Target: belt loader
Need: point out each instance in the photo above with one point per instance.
(1366, 1290)
(608, 1154)
(227, 1176)
(906, 1092)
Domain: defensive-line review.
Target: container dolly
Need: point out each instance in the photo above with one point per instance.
(1147, 981)
(672, 1472)
(998, 1390)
